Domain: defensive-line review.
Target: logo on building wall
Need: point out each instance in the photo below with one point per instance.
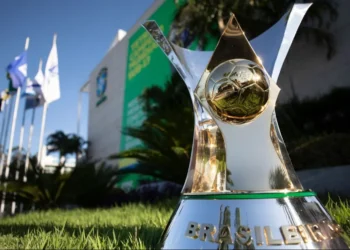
(101, 83)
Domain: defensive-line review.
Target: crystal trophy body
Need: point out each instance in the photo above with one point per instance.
(241, 191)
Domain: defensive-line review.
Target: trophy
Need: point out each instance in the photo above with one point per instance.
(241, 191)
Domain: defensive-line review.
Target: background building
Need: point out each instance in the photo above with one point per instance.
(134, 62)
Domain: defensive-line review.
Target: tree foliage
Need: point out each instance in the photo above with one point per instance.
(198, 19)
(65, 144)
(88, 185)
(166, 133)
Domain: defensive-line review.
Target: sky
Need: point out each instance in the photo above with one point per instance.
(85, 30)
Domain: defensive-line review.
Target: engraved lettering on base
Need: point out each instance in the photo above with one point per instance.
(269, 237)
(207, 232)
(334, 230)
(192, 230)
(291, 235)
(224, 237)
(316, 233)
(258, 236)
(244, 236)
(303, 233)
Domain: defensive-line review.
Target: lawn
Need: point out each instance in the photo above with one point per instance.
(129, 227)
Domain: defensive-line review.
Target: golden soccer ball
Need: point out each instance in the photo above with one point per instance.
(237, 91)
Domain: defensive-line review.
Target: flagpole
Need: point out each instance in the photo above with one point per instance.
(43, 121)
(13, 128)
(2, 137)
(39, 78)
(8, 119)
(5, 103)
(31, 130)
(21, 140)
(14, 120)
(19, 156)
(20, 146)
(2, 206)
(51, 90)
(12, 135)
(79, 114)
(26, 165)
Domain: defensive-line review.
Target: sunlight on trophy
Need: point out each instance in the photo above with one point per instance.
(241, 190)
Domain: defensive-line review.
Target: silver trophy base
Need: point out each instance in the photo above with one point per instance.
(294, 220)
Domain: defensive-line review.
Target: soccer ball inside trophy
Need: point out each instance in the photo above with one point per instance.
(237, 91)
(241, 191)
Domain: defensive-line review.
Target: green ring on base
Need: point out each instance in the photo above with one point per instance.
(226, 196)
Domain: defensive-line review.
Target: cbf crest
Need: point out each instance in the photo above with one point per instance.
(101, 83)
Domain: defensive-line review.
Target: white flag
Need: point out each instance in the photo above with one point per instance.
(52, 82)
(35, 87)
(39, 77)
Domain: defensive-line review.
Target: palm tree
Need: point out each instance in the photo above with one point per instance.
(166, 133)
(59, 142)
(65, 144)
(77, 146)
(200, 19)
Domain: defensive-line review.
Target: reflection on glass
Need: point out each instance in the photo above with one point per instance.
(210, 168)
(279, 179)
(224, 235)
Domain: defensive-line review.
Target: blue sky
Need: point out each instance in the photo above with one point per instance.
(85, 30)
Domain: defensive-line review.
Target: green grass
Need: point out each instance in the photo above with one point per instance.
(340, 211)
(134, 226)
(129, 227)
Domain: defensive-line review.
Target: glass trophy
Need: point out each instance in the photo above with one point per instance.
(241, 190)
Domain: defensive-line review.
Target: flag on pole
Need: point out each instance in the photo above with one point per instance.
(51, 90)
(17, 71)
(51, 86)
(33, 95)
(33, 92)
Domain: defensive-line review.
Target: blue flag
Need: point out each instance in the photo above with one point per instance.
(17, 71)
(32, 102)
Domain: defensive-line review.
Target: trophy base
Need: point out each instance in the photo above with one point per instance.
(292, 220)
